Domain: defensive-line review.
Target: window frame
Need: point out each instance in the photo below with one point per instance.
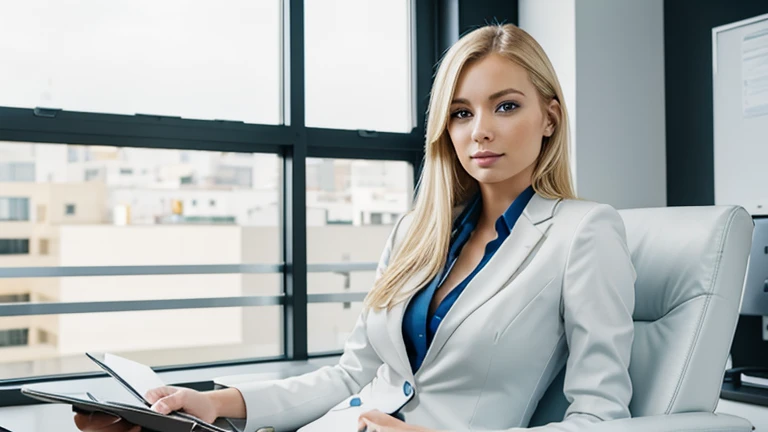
(292, 141)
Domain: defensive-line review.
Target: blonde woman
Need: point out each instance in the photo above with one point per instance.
(496, 279)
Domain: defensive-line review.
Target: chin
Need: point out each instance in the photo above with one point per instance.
(490, 176)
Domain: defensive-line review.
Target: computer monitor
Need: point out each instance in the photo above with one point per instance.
(755, 300)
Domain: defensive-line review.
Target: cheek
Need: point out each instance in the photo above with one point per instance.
(523, 136)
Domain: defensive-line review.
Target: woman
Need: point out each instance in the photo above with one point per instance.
(494, 281)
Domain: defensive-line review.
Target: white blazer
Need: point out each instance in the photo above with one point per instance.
(558, 292)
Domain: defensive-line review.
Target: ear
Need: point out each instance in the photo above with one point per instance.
(552, 119)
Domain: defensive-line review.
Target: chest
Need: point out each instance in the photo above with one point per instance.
(458, 269)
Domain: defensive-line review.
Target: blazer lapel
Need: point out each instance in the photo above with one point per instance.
(525, 235)
(393, 320)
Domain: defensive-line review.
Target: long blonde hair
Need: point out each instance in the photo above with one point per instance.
(444, 183)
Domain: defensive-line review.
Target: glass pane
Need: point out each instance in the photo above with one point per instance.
(193, 59)
(341, 281)
(358, 64)
(352, 206)
(54, 344)
(326, 333)
(108, 206)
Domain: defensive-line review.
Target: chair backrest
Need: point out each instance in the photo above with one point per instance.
(690, 263)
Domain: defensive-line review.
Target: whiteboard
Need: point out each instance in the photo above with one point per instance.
(740, 84)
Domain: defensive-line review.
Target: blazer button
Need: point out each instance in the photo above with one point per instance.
(355, 402)
(407, 388)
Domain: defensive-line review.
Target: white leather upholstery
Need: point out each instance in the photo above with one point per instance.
(690, 263)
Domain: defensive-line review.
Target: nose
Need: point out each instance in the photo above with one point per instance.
(481, 129)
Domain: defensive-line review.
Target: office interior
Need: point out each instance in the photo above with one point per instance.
(206, 188)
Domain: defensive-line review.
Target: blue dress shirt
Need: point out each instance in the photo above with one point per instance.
(419, 326)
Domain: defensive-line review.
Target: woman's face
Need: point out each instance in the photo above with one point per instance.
(497, 122)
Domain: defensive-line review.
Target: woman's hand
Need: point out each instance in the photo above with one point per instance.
(377, 421)
(163, 400)
(167, 399)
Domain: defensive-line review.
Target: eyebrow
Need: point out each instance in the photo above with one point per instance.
(496, 95)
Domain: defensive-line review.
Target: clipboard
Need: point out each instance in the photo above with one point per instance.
(137, 379)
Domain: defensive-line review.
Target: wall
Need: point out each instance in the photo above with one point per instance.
(609, 57)
(688, 78)
(553, 24)
(620, 86)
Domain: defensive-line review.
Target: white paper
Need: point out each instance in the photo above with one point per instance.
(141, 377)
(754, 73)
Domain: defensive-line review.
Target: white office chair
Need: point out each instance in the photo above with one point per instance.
(691, 263)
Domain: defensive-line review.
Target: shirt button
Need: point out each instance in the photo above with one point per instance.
(421, 335)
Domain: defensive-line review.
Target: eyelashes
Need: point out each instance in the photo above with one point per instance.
(509, 106)
(460, 114)
(504, 107)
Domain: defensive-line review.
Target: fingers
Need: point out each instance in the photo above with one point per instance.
(158, 393)
(172, 402)
(368, 421)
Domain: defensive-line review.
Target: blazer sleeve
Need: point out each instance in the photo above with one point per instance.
(597, 304)
(290, 403)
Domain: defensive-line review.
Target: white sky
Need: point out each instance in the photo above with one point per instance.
(207, 60)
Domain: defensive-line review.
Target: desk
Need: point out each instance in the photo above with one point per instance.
(748, 402)
(52, 417)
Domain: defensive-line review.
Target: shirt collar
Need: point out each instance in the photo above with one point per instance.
(513, 212)
(472, 211)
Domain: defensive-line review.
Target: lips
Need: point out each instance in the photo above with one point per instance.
(484, 154)
(485, 159)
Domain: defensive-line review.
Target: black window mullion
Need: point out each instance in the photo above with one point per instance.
(294, 180)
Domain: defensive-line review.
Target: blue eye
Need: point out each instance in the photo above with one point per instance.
(460, 114)
(507, 107)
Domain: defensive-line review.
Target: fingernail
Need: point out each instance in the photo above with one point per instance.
(161, 408)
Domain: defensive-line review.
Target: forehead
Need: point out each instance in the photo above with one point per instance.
(483, 77)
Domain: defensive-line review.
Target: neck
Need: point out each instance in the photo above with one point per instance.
(497, 197)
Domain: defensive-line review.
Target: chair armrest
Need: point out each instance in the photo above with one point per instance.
(684, 422)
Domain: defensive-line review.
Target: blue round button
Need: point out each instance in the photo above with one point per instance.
(407, 388)
(355, 402)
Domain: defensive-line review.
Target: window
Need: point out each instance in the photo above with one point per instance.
(358, 193)
(234, 176)
(14, 298)
(14, 209)
(130, 221)
(45, 338)
(16, 171)
(200, 96)
(14, 246)
(360, 82)
(13, 337)
(191, 336)
(145, 57)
